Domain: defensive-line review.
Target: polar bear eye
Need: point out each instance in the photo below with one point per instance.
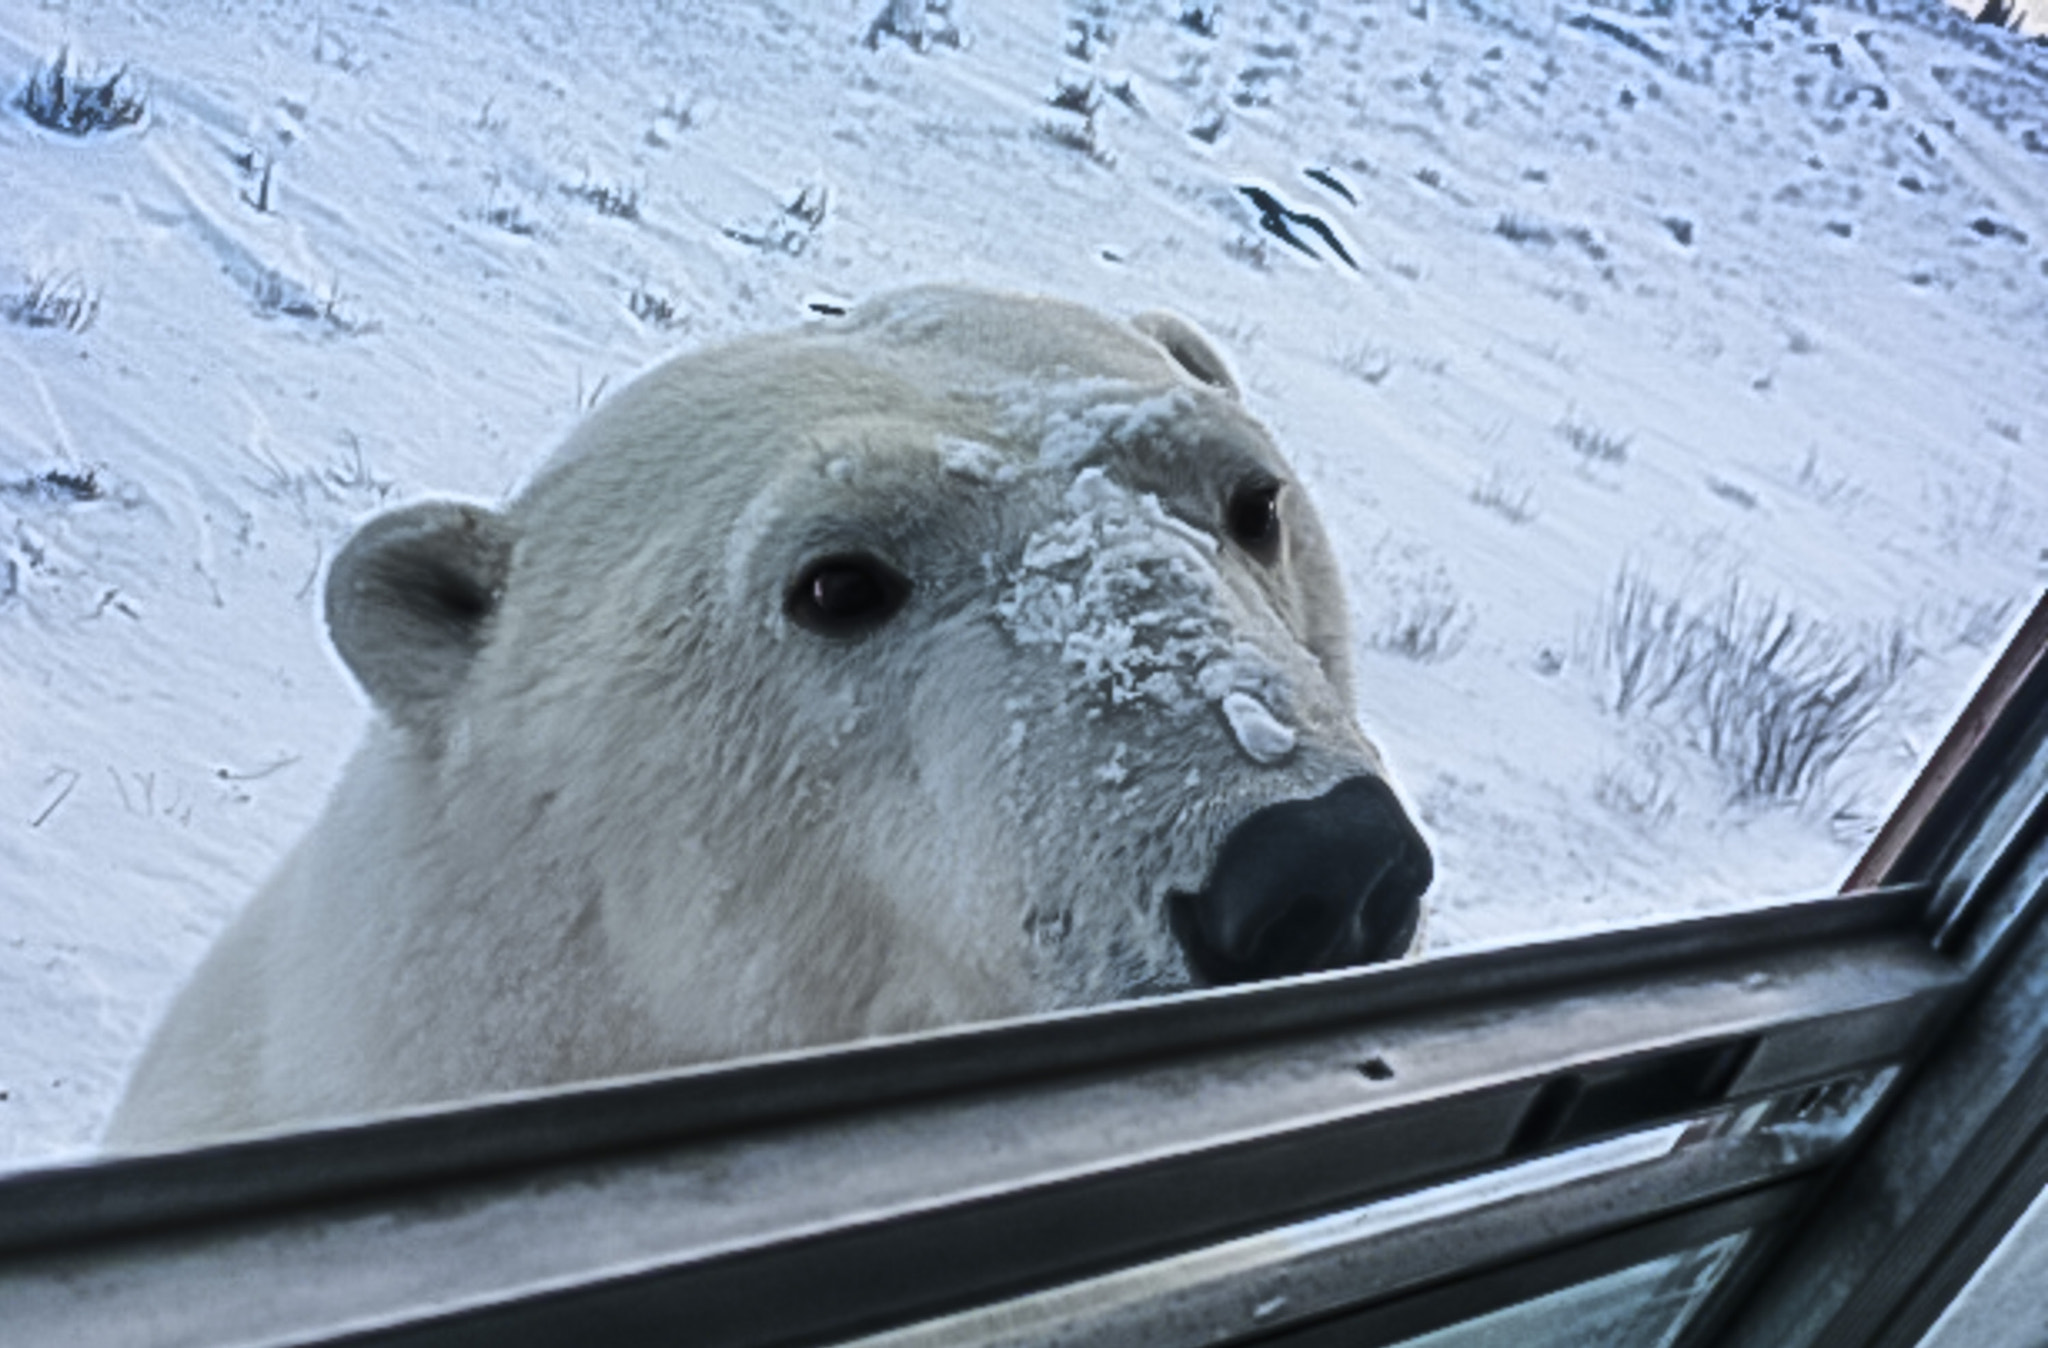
(845, 596)
(1253, 517)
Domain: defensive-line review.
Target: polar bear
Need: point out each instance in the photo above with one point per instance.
(965, 656)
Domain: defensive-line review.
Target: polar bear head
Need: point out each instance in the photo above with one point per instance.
(964, 656)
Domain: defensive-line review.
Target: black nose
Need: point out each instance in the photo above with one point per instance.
(1308, 884)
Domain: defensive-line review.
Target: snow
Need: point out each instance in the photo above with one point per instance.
(1701, 295)
(1259, 733)
(1131, 597)
(975, 462)
(1074, 419)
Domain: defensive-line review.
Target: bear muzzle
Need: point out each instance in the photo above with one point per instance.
(1305, 885)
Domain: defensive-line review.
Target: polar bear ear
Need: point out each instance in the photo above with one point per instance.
(408, 600)
(1188, 347)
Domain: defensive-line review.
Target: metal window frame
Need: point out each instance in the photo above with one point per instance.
(1891, 1236)
(958, 1180)
(895, 1182)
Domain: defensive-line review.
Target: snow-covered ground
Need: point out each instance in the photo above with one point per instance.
(1672, 293)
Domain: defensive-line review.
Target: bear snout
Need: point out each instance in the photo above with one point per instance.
(1303, 885)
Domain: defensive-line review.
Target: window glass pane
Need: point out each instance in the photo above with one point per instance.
(2002, 1306)
(1662, 391)
(1297, 1272)
(1646, 1306)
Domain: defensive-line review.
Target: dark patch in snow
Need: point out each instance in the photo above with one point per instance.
(278, 295)
(920, 25)
(1276, 219)
(1080, 98)
(1330, 180)
(1075, 133)
(1588, 23)
(1520, 230)
(52, 301)
(1875, 96)
(58, 99)
(59, 484)
(260, 199)
(620, 203)
(1732, 493)
(2007, 14)
(790, 231)
(512, 220)
(1985, 227)
(657, 311)
(1592, 443)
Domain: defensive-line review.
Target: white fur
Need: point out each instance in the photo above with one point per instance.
(639, 818)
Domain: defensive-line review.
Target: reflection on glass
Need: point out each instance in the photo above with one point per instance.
(1646, 1306)
(1300, 1271)
(2003, 1305)
(1803, 1124)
